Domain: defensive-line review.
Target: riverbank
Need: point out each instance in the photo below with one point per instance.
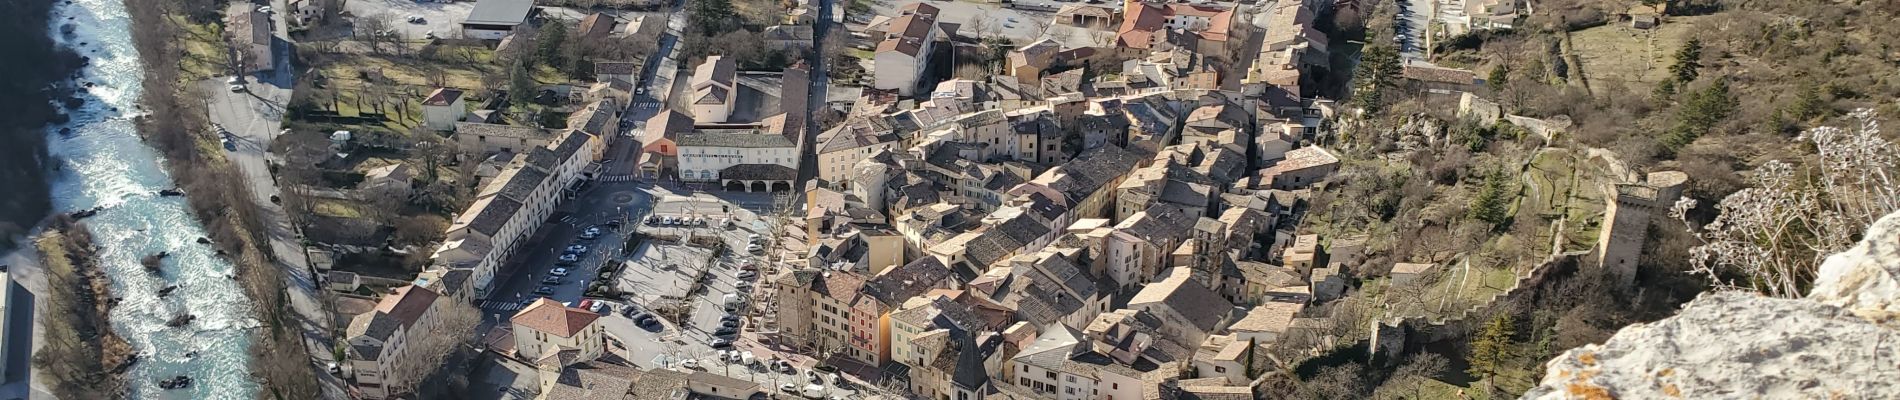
(35, 68)
(82, 357)
(175, 125)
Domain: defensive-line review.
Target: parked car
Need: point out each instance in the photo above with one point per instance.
(721, 343)
(576, 249)
(417, 19)
(544, 290)
(591, 233)
(551, 280)
(729, 324)
(725, 331)
(754, 248)
(237, 88)
(748, 274)
(788, 387)
(753, 238)
(558, 272)
(814, 377)
(569, 258)
(690, 363)
(742, 285)
(729, 317)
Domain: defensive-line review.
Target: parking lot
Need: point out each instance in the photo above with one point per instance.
(596, 207)
(442, 18)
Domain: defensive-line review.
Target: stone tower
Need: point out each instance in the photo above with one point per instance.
(1626, 214)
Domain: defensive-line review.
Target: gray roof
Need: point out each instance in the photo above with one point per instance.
(970, 373)
(894, 286)
(499, 130)
(1099, 166)
(499, 210)
(759, 172)
(500, 12)
(615, 68)
(521, 186)
(733, 139)
(1004, 239)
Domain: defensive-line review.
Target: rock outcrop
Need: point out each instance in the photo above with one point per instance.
(1843, 341)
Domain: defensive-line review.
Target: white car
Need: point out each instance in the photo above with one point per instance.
(753, 248)
(690, 363)
(558, 272)
(234, 80)
(237, 88)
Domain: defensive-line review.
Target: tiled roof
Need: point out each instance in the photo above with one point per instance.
(442, 97)
(895, 285)
(759, 172)
(593, 380)
(615, 68)
(550, 317)
(1272, 316)
(597, 25)
(710, 138)
(840, 285)
(497, 213)
(498, 130)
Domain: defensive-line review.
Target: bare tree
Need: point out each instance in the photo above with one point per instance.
(454, 332)
(1777, 231)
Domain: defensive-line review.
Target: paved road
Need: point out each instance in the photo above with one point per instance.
(519, 278)
(253, 117)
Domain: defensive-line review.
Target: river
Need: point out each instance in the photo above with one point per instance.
(102, 162)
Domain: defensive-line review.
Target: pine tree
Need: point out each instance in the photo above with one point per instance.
(1378, 71)
(548, 42)
(1688, 62)
(1490, 204)
(1491, 347)
(1500, 75)
(520, 85)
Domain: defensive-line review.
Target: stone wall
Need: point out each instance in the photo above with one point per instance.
(1391, 336)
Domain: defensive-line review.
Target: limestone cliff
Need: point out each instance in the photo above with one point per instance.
(1843, 341)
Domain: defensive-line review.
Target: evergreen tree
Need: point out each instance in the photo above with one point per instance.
(1500, 75)
(1490, 204)
(548, 43)
(1491, 346)
(520, 85)
(1378, 71)
(1688, 62)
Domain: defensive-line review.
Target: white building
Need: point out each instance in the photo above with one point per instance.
(714, 89)
(508, 209)
(552, 335)
(762, 159)
(494, 19)
(380, 342)
(443, 109)
(905, 51)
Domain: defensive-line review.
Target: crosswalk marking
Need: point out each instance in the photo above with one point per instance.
(500, 305)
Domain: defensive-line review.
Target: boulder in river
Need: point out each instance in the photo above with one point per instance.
(176, 382)
(181, 320)
(151, 262)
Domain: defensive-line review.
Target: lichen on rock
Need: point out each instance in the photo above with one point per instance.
(1840, 342)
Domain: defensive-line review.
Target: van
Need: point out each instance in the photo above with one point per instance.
(814, 391)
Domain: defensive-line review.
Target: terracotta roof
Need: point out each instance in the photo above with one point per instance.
(597, 25)
(443, 97)
(550, 317)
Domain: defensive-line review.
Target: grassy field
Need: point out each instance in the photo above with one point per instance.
(1566, 189)
(409, 79)
(204, 48)
(1616, 57)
